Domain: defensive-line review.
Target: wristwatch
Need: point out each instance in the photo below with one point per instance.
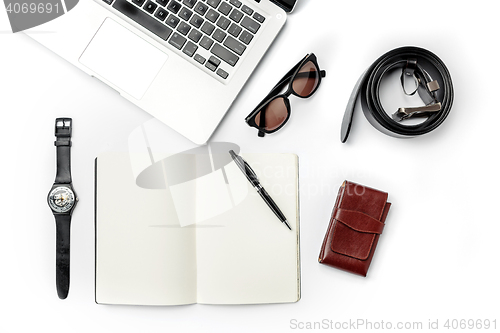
(62, 200)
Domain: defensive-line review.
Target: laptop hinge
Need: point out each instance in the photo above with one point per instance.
(281, 5)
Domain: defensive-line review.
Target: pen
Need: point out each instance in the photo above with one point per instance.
(252, 178)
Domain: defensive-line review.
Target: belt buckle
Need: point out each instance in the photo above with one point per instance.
(409, 70)
(405, 113)
(421, 111)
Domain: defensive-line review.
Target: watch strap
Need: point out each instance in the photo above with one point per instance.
(63, 227)
(63, 147)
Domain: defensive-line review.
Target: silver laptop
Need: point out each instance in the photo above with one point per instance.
(182, 61)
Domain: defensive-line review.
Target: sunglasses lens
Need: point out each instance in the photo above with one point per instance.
(306, 80)
(276, 113)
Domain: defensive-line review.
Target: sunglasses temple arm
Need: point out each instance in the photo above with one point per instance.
(322, 73)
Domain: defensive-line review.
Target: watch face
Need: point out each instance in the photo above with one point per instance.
(61, 199)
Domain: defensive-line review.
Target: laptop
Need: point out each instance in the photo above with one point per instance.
(182, 61)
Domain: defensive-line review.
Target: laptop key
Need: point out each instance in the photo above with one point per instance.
(225, 8)
(207, 28)
(235, 30)
(177, 40)
(234, 45)
(214, 61)
(247, 10)
(206, 42)
(223, 23)
(259, 18)
(196, 21)
(246, 37)
(138, 2)
(185, 14)
(189, 3)
(184, 28)
(212, 15)
(236, 15)
(211, 66)
(201, 8)
(219, 35)
(195, 35)
(235, 3)
(162, 3)
(174, 6)
(213, 3)
(250, 24)
(200, 59)
(148, 22)
(161, 14)
(222, 73)
(225, 54)
(150, 7)
(190, 49)
(172, 20)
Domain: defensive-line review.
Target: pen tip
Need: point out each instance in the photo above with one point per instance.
(286, 223)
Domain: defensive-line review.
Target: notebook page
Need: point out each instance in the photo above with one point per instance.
(253, 258)
(143, 256)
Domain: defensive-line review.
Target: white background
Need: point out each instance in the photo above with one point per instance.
(438, 256)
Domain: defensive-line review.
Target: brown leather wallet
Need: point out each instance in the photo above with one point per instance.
(355, 226)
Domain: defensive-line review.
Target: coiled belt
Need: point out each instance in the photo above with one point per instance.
(434, 87)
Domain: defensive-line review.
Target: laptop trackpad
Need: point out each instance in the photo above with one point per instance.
(123, 58)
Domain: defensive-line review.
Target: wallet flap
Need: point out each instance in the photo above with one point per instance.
(350, 242)
(360, 213)
(359, 221)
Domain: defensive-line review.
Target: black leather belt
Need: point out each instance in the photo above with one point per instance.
(434, 87)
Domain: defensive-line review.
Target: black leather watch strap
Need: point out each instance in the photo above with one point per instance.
(434, 87)
(63, 227)
(63, 128)
(63, 147)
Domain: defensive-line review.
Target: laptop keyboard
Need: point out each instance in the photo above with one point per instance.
(220, 30)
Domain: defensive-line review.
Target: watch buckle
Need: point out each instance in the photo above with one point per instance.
(63, 127)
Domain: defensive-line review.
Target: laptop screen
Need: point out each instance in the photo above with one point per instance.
(287, 5)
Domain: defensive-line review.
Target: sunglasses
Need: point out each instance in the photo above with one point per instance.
(274, 111)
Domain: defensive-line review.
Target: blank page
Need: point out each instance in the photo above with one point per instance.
(252, 257)
(143, 256)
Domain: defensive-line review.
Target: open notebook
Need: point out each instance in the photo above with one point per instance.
(209, 240)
